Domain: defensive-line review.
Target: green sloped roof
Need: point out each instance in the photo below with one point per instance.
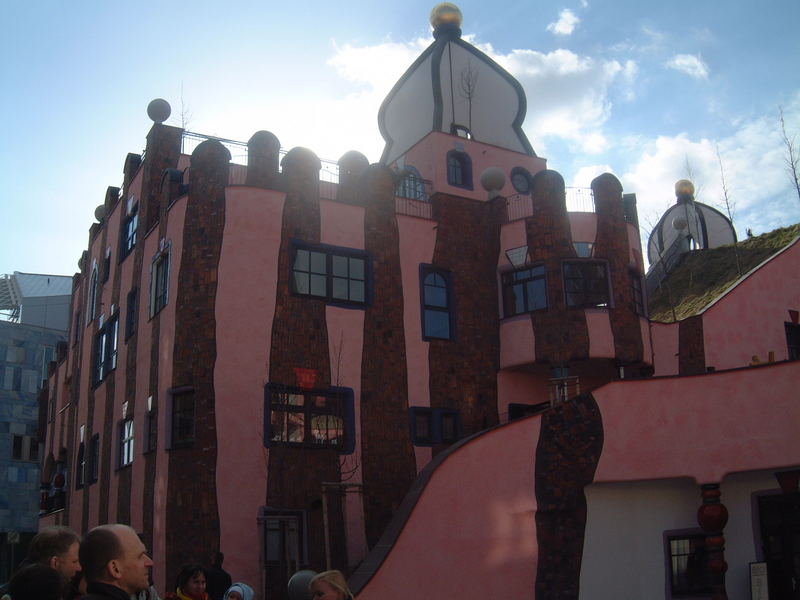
(702, 276)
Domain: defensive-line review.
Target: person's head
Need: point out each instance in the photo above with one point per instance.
(114, 554)
(217, 558)
(192, 580)
(329, 585)
(56, 547)
(36, 582)
(239, 591)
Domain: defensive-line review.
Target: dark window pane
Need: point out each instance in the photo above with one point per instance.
(301, 261)
(339, 266)
(437, 324)
(318, 262)
(301, 285)
(339, 289)
(357, 268)
(318, 285)
(357, 291)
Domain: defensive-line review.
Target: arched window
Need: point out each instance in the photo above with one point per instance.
(412, 185)
(91, 308)
(459, 169)
(437, 314)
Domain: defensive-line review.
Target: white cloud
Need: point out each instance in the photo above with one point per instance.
(567, 21)
(752, 159)
(567, 94)
(690, 64)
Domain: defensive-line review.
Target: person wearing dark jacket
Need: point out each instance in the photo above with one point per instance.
(217, 579)
(115, 563)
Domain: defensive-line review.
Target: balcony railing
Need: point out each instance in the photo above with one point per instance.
(578, 200)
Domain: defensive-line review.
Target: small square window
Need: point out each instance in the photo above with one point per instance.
(430, 426)
(689, 575)
(586, 284)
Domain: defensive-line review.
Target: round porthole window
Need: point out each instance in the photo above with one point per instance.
(521, 180)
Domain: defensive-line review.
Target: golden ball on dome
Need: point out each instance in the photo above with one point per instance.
(684, 187)
(446, 13)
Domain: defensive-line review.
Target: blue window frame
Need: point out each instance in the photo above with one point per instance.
(459, 169)
(586, 284)
(412, 185)
(336, 275)
(521, 180)
(524, 290)
(430, 426)
(437, 303)
(314, 418)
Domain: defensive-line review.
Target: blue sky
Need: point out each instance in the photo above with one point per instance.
(645, 89)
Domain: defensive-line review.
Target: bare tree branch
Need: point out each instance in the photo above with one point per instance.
(792, 157)
(730, 206)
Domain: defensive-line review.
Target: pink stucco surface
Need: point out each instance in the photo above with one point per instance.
(749, 319)
(429, 156)
(341, 224)
(702, 427)
(601, 338)
(517, 342)
(512, 235)
(665, 348)
(519, 387)
(417, 243)
(248, 273)
(583, 226)
(472, 533)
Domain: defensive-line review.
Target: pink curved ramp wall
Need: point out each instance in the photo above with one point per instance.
(472, 533)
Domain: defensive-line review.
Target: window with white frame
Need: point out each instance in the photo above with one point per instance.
(126, 442)
(105, 349)
(130, 227)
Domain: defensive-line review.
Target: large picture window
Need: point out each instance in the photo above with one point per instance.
(437, 310)
(105, 349)
(524, 290)
(337, 275)
(586, 284)
(320, 418)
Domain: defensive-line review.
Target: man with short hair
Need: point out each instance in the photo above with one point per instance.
(217, 579)
(57, 548)
(115, 563)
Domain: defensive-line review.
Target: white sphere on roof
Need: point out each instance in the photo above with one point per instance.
(493, 179)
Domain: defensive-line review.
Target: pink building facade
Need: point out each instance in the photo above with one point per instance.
(415, 367)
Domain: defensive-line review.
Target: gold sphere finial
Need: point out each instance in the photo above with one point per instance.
(446, 13)
(684, 187)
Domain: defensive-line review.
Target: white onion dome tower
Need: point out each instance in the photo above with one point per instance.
(454, 88)
(688, 225)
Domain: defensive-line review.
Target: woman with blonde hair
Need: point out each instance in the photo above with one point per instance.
(330, 585)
